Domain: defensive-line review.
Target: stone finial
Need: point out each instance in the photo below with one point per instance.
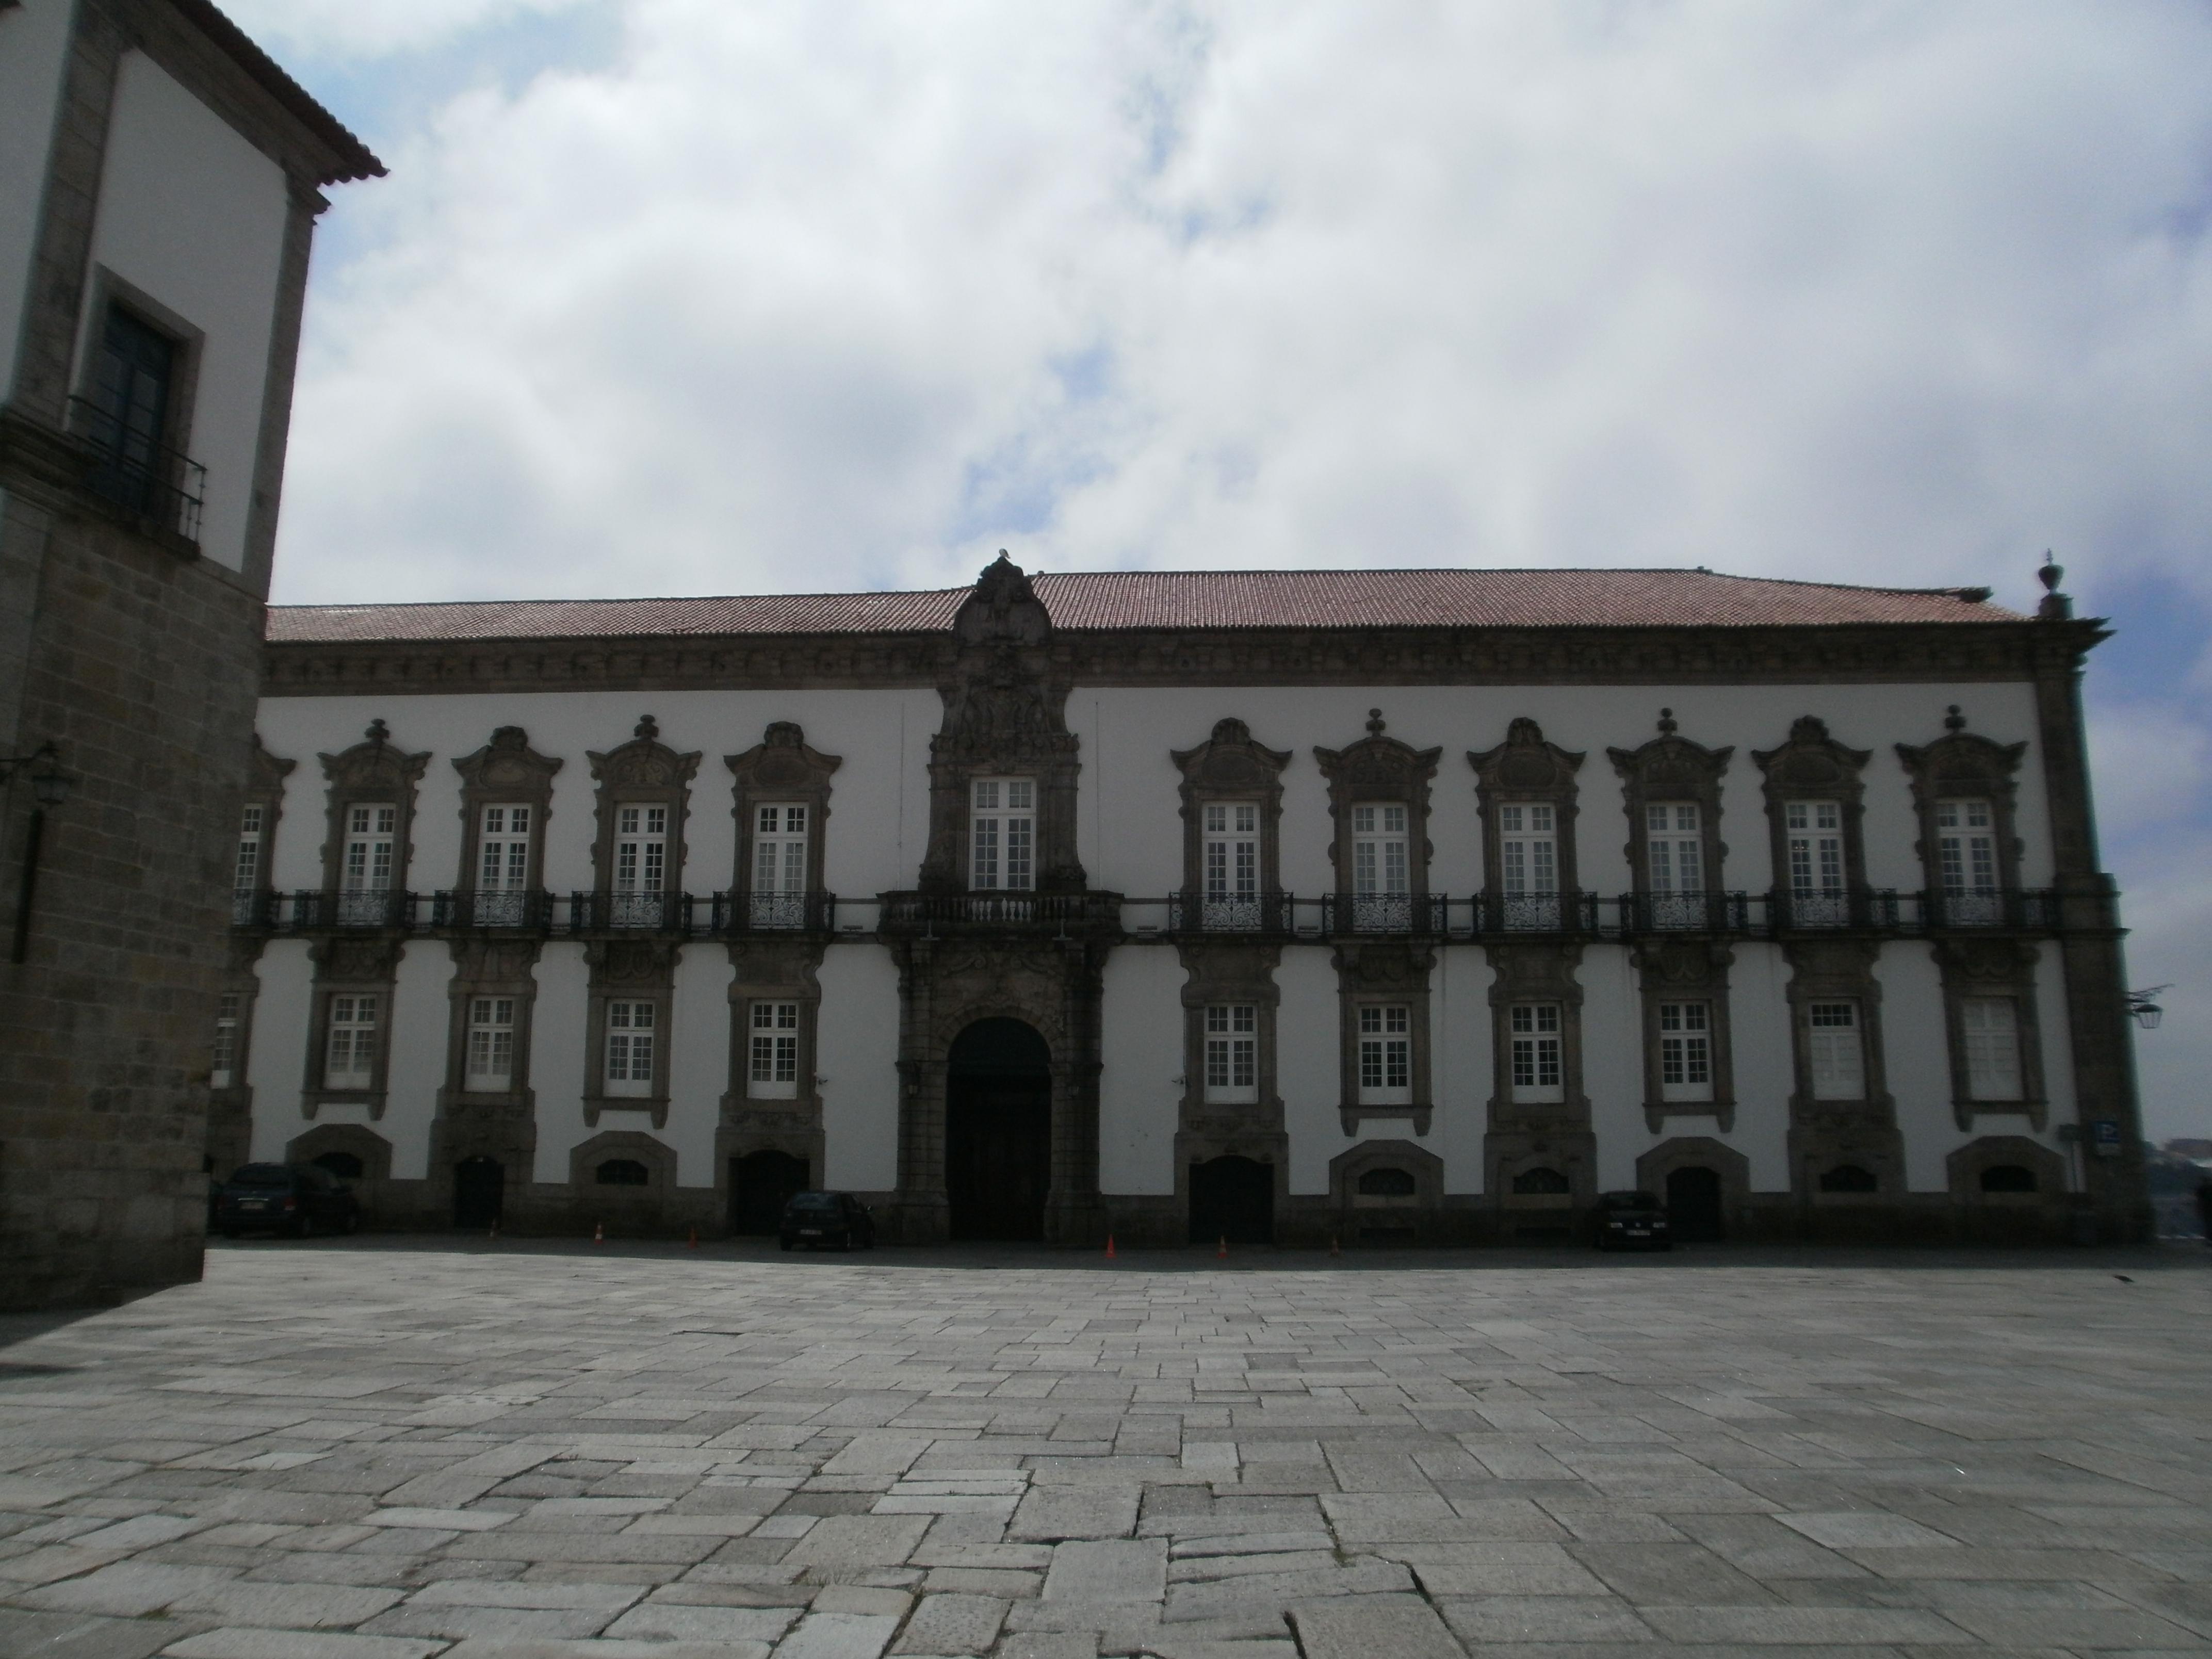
(1522, 731)
(2055, 606)
(510, 737)
(1809, 728)
(1667, 724)
(1374, 722)
(783, 734)
(649, 729)
(1953, 720)
(378, 731)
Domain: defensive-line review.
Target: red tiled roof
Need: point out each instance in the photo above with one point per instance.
(1109, 600)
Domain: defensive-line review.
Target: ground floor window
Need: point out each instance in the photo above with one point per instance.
(1837, 1051)
(1686, 1051)
(772, 1067)
(491, 1042)
(349, 1055)
(1536, 1052)
(1232, 1053)
(631, 1028)
(1386, 1054)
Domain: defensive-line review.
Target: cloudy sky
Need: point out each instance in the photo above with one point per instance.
(675, 296)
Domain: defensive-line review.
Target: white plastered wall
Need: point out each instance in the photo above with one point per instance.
(1140, 1086)
(192, 215)
(698, 1062)
(856, 1055)
(34, 43)
(1308, 1066)
(416, 1069)
(1461, 1074)
(557, 1058)
(1613, 1062)
(277, 1052)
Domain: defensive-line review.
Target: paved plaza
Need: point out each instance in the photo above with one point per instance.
(396, 1449)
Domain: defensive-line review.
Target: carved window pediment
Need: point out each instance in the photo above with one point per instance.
(508, 765)
(644, 763)
(266, 773)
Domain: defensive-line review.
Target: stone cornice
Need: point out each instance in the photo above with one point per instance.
(1455, 656)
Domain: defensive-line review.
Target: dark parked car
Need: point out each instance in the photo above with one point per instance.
(826, 1220)
(286, 1198)
(1632, 1221)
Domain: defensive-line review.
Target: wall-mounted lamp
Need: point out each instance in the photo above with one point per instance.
(2147, 1012)
(50, 786)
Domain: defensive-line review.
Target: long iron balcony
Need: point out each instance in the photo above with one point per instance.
(1279, 916)
(150, 481)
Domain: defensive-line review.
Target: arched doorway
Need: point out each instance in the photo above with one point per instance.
(479, 1187)
(1694, 1215)
(998, 1131)
(759, 1182)
(1232, 1198)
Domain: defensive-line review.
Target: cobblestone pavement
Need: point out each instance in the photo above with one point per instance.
(399, 1448)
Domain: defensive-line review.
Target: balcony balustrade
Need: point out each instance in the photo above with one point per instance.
(1265, 914)
(931, 913)
(773, 913)
(147, 480)
(530, 910)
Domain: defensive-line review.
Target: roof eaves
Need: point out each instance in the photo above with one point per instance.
(354, 159)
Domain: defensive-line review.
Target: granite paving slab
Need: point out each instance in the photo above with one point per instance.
(427, 1449)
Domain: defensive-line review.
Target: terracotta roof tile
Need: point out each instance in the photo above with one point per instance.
(1108, 601)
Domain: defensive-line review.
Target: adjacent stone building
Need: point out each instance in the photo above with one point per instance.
(159, 184)
(1380, 906)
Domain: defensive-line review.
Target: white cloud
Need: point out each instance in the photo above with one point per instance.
(318, 28)
(788, 297)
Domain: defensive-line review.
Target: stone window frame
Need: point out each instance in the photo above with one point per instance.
(1528, 768)
(1963, 765)
(660, 1158)
(1521, 1130)
(1827, 1133)
(1419, 1211)
(2002, 968)
(1679, 969)
(1812, 765)
(1673, 768)
(356, 963)
(1231, 969)
(781, 769)
(629, 969)
(1963, 1165)
(506, 772)
(1005, 715)
(107, 290)
(374, 769)
(1384, 973)
(643, 772)
(807, 998)
(1380, 770)
(1231, 769)
(491, 967)
(266, 778)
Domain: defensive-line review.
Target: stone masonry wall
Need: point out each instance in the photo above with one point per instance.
(143, 668)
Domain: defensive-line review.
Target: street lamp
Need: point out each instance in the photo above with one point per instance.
(2147, 1013)
(50, 786)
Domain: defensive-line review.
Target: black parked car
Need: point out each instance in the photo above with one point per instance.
(1632, 1221)
(297, 1198)
(823, 1219)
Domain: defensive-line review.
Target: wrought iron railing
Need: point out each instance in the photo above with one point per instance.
(630, 913)
(1405, 914)
(1685, 913)
(927, 913)
(773, 913)
(254, 908)
(1991, 907)
(153, 481)
(1261, 913)
(529, 910)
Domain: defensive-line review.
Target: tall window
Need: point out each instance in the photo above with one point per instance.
(773, 1064)
(1386, 1054)
(1232, 1053)
(641, 865)
(1380, 875)
(223, 1073)
(779, 866)
(246, 871)
(631, 1031)
(1003, 835)
(349, 1051)
(1838, 1051)
(491, 1042)
(371, 830)
(1536, 1055)
(1992, 1043)
(1529, 863)
(1232, 864)
(1814, 830)
(1966, 860)
(131, 399)
(1686, 1051)
(503, 850)
(371, 854)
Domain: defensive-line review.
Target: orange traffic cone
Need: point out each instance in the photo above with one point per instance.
(695, 1238)
(599, 1232)
(1109, 1246)
(1224, 1249)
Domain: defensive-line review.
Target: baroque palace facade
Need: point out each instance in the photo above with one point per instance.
(1385, 906)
